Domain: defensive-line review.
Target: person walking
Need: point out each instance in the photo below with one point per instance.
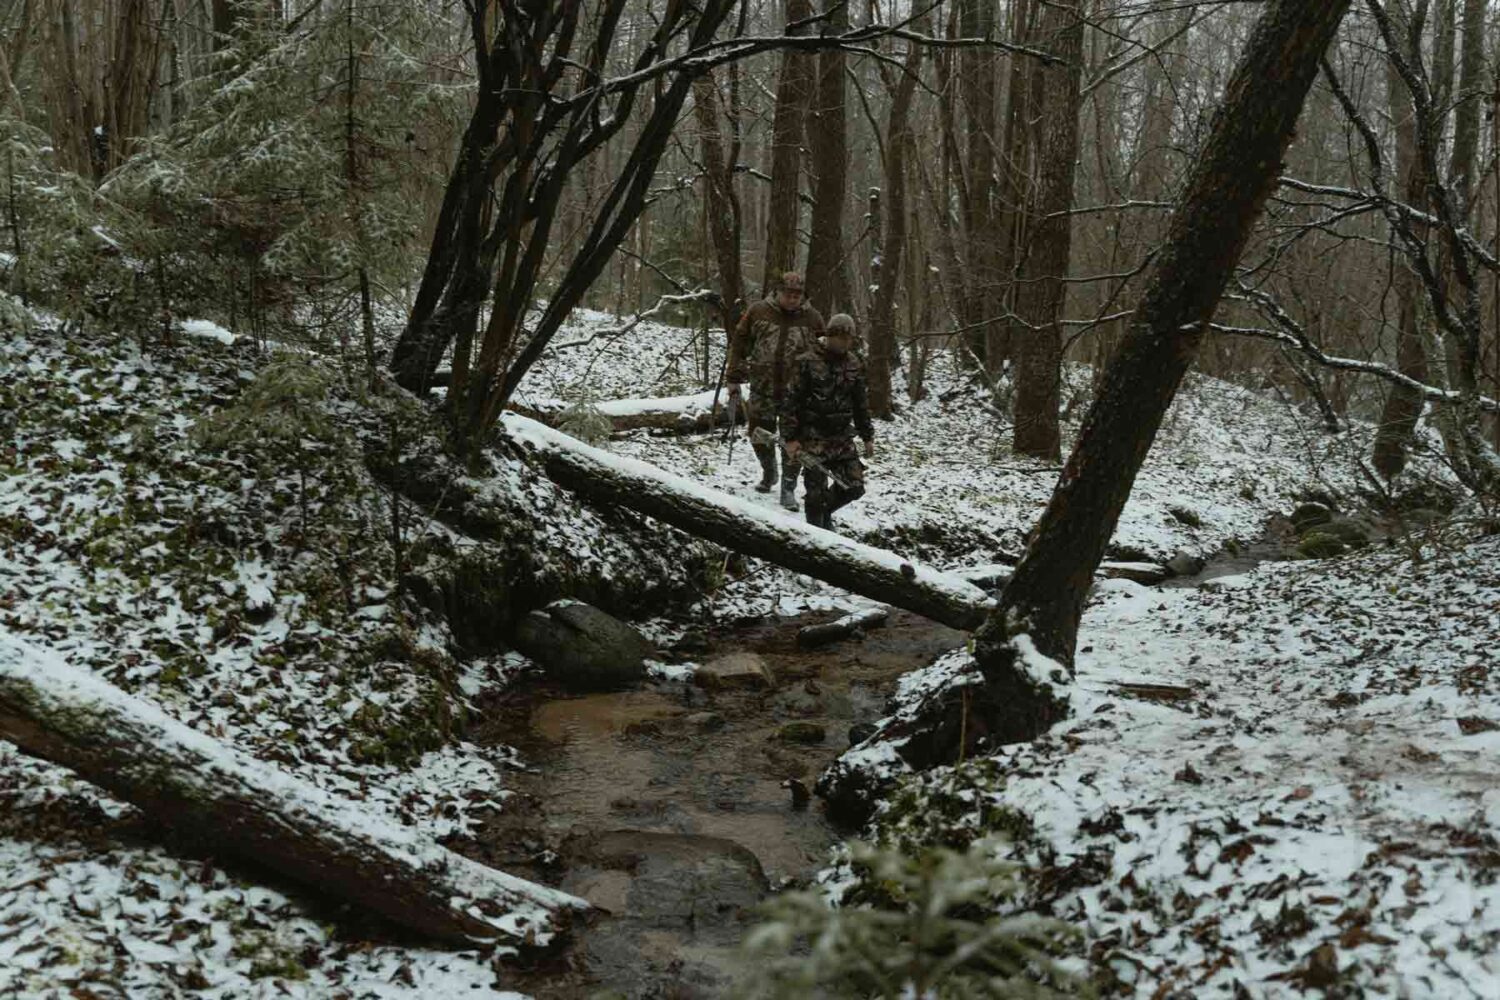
(771, 335)
(826, 402)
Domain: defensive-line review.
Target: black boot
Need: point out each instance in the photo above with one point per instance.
(789, 484)
(767, 456)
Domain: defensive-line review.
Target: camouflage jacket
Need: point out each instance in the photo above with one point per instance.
(827, 393)
(768, 341)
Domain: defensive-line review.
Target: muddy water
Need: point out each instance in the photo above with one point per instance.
(669, 806)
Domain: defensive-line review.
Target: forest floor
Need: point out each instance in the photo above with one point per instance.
(1280, 778)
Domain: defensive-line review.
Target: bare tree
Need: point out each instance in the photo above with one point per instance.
(1041, 292)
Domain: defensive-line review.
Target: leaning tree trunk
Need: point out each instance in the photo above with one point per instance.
(258, 812)
(750, 528)
(792, 95)
(1236, 171)
(1042, 292)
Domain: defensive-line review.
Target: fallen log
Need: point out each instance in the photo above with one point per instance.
(747, 527)
(257, 811)
(694, 413)
(810, 636)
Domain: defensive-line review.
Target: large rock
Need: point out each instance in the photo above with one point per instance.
(583, 648)
(1185, 563)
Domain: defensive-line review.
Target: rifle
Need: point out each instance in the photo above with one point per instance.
(734, 405)
(762, 436)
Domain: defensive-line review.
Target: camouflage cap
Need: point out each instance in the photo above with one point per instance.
(791, 281)
(841, 323)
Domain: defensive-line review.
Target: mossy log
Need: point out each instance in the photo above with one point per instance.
(259, 812)
(752, 529)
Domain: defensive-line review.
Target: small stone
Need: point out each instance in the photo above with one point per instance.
(802, 731)
(735, 671)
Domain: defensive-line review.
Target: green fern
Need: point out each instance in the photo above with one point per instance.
(937, 936)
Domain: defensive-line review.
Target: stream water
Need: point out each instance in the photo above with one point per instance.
(668, 807)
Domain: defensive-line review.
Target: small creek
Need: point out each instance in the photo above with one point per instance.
(667, 806)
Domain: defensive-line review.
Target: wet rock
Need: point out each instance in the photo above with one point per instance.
(802, 731)
(737, 671)
(1147, 574)
(582, 648)
(1320, 545)
(705, 722)
(1310, 515)
(1185, 563)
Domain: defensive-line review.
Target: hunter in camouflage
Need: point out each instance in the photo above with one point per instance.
(825, 403)
(771, 335)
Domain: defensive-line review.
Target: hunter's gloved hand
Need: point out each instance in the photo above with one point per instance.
(792, 447)
(869, 449)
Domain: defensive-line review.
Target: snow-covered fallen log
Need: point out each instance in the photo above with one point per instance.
(692, 413)
(859, 622)
(253, 809)
(747, 527)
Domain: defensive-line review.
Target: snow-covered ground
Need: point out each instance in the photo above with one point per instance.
(1321, 736)
(1317, 805)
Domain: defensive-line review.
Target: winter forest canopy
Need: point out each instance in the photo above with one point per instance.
(389, 605)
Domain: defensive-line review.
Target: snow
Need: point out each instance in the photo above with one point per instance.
(42, 683)
(206, 330)
(1317, 764)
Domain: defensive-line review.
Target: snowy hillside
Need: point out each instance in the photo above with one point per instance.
(1314, 765)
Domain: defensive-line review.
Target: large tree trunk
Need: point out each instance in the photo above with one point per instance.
(259, 812)
(792, 96)
(1228, 186)
(893, 238)
(828, 140)
(750, 528)
(1041, 293)
(1403, 406)
(982, 252)
(720, 203)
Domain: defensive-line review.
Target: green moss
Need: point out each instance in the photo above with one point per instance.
(1320, 545)
(1187, 517)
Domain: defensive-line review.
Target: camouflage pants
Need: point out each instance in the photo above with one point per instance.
(839, 457)
(761, 413)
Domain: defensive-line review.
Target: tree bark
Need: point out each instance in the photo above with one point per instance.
(1041, 293)
(1233, 176)
(1403, 406)
(792, 96)
(720, 203)
(751, 529)
(828, 140)
(893, 237)
(260, 813)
